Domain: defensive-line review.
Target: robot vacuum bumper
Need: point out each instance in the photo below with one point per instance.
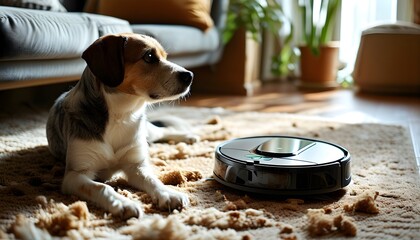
(282, 165)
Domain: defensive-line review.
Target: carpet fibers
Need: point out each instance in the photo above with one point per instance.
(382, 202)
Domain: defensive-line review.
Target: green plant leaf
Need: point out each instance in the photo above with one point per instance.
(255, 16)
(318, 31)
(326, 33)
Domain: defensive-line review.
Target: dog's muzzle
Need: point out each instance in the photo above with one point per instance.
(185, 78)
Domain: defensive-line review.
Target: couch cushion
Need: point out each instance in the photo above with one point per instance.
(181, 40)
(194, 13)
(27, 34)
(54, 70)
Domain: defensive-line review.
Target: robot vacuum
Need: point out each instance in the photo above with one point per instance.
(282, 165)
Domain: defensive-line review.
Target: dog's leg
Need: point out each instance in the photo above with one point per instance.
(170, 134)
(82, 185)
(142, 177)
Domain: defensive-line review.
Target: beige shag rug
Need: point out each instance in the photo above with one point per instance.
(382, 202)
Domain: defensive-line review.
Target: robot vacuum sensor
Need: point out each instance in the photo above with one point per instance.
(282, 165)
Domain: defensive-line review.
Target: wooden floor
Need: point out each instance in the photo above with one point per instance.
(340, 104)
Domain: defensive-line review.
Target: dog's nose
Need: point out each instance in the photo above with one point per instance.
(185, 77)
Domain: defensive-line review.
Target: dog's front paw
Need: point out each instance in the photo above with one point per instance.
(126, 209)
(191, 138)
(170, 199)
(188, 138)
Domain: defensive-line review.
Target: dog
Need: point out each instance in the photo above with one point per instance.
(100, 128)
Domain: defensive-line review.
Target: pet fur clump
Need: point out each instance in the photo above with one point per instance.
(178, 177)
(59, 218)
(238, 220)
(235, 205)
(231, 205)
(320, 223)
(171, 228)
(55, 219)
(287, 233)
(365, 203)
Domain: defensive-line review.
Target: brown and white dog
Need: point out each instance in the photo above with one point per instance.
(99, 127)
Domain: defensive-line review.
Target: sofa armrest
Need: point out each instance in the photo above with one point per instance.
(219, 10)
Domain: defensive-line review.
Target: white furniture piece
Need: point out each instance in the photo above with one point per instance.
(388, 59)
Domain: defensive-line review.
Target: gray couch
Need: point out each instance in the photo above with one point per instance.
(43, 47)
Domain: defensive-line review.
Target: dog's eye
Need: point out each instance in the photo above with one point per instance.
(150, 57)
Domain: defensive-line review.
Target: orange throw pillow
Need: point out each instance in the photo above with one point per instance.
(195, 13)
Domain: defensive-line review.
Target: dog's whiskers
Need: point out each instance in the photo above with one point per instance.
(150, 107)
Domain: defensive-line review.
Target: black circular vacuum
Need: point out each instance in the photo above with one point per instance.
(282, 165)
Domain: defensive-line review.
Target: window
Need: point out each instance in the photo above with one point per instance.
(355, 16)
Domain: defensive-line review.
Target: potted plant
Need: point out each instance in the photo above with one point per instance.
(238, 70)
(256, 16)
(318, 54)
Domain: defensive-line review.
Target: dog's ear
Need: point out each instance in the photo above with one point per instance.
(105, 58)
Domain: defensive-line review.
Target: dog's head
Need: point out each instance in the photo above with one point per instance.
(136, 64)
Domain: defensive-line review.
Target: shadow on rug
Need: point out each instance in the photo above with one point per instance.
(381, 202)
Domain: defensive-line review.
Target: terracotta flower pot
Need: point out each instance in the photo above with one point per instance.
(319, 70)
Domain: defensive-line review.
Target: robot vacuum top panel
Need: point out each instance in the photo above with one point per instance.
(282, 164)
(281, 151)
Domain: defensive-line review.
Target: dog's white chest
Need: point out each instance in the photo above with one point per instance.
(126, 125)
(124, 131)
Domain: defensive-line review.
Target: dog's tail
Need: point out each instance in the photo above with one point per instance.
(171, 122)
